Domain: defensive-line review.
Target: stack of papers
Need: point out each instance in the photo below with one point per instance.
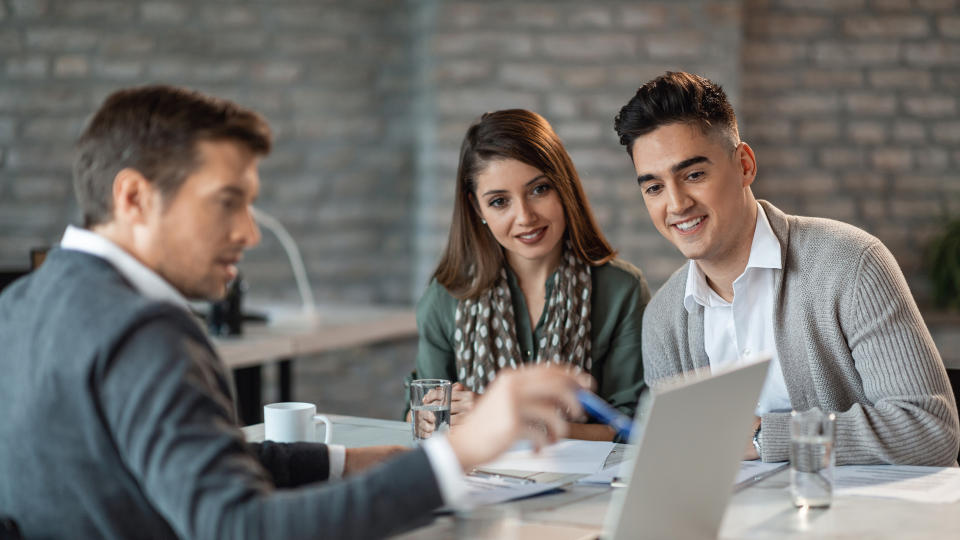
(482, 490)
(606, 476)
(567, 456)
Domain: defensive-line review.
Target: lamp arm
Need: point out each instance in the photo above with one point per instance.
(293, 254)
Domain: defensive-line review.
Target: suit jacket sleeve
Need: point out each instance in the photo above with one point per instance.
(293, 464)
(166, 405)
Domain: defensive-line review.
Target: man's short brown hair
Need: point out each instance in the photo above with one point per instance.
(155, 130)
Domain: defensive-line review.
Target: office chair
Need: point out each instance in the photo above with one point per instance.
(9, 529)
(954, 376)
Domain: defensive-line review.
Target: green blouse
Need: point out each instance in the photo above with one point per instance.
(620, 294)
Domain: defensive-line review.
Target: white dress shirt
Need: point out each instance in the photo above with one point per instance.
(734, 332)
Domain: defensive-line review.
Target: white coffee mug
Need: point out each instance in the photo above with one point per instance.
(294, 422)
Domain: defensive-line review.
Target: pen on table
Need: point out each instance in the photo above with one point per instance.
(599, 409)
(507, 478)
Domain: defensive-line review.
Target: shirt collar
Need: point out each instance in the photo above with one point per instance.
(764, 253)
(145, 280)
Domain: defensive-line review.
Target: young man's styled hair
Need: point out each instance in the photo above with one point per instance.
(677, 97)
(472, 260)
(155, 130)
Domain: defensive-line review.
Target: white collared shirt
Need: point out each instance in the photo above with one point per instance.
(146, 281)
(733, 332)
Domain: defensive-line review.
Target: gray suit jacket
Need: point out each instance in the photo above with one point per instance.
(850, 339)
(116, 422)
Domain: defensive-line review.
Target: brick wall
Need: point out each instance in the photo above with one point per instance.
(369, 100)
(576, 63)
(332, 78)
(851, 105)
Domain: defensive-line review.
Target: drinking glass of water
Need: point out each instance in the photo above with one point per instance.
(812, 434)
(430, 405)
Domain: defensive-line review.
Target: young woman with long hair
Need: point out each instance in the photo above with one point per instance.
(527, 276)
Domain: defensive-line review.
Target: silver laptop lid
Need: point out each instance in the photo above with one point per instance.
(690, 443)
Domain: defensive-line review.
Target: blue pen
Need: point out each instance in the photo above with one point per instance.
(599, 409)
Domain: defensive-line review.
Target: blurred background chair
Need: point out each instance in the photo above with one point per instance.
(9, 529)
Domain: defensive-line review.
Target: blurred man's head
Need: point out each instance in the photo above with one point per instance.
(169, 175)
(693, 170)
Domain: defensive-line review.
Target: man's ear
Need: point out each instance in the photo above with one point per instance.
(746, 163)
(133, 197)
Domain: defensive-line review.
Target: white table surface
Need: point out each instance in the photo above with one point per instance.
(289, 333)
(763, 510)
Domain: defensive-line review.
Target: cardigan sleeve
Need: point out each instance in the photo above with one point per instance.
(913, 417)
(906, 413)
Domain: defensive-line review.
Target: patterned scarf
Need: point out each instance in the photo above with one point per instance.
(486, 338)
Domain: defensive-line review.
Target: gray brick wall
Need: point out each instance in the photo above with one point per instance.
(853, 109)
(333, 78)
(576, 63)
(369, 100)
(852, 106)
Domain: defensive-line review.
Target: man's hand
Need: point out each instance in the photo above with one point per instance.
(751, 453)
(358, 459)
(525, 403)
(462, 402)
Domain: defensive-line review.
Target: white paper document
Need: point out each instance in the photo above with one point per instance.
(482, 491)
(605, 476)
(567, 456)
(754, 471)
(750, 472)
(911, 483)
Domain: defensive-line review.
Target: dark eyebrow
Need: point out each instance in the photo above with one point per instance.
(688, 162)
(231, 190)
(676, 168)
(495, 191)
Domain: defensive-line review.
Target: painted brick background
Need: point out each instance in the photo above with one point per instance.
(852, 106)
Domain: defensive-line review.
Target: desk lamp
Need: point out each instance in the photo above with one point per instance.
(293, 254)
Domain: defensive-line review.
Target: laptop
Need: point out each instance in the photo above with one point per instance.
(690, 443)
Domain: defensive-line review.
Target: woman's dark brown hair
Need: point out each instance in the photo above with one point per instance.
(473, 258)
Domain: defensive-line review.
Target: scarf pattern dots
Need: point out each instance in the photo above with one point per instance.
(485, 339)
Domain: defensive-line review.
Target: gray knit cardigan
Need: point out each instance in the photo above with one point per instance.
(850, 339)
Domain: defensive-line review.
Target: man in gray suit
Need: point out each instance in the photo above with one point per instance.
(117, 420)
(825, 299)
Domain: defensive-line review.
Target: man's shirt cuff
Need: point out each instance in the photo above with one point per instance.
(447, 470)
(338, 458)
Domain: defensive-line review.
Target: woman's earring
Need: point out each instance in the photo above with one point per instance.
(483, 221)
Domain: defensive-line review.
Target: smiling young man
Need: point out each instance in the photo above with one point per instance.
(118, 420)
(825, 299)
